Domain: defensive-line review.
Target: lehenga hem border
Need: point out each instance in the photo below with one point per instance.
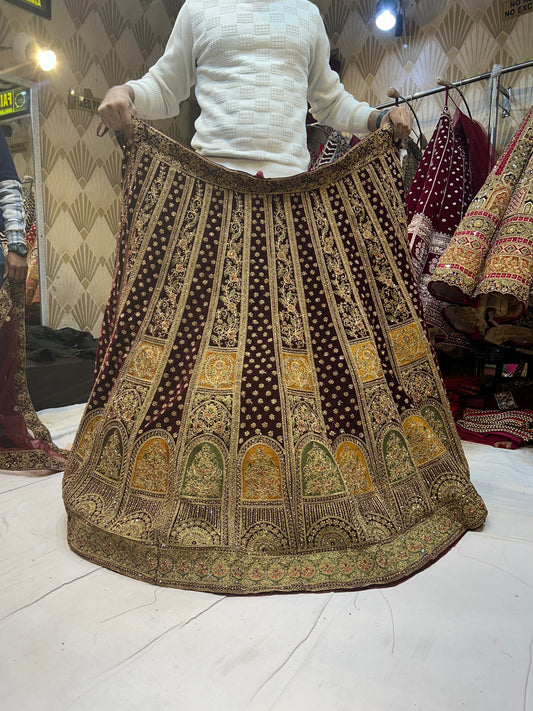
(220, 571)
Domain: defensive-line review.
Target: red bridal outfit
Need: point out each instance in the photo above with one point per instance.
(267, 414)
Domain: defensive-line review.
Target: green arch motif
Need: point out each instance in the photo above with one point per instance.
(110, 460)
(320, 473)
(204, 473)
(399, 464)
(435, 420)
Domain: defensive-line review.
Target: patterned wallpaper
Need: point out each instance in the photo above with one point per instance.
(103, 42)
(441, 38)
(98, 43)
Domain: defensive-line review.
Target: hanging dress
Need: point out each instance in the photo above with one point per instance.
(267, 414)
(488, 266)
(437, 199)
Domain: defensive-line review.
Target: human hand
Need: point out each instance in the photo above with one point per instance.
(401, 119)
(16, 267)
(117, 108)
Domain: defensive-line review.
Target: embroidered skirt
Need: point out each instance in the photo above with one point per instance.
(488, 264)
(25, 443)
(267, 414)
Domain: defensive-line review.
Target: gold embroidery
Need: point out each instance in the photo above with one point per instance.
(408, 343)
(304, 417)
(126, 403)
(394, 303)
(166, 307)
(195, 533)
(261, 474)
(150, 472)
(212, 415)
(264, 537)
(291, 323)
(298, 373)
(498, 200)
(423, 442)
(136, 525)
(146, 359)
(354, 469)
(204, 474)
(139, 228)
(352, 318)
(381, 407)
(320, 474)
(110, 461)
(436, 422)
(398, 461)
(419, 382)
(226, 326)
(255, 467)
(367, 361)
(218, 370)
(87, 439)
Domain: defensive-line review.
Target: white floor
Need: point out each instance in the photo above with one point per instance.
(458, 635)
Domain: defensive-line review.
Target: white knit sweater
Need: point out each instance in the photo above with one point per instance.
(255, 64)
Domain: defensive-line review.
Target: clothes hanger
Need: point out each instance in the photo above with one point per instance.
(441, 81)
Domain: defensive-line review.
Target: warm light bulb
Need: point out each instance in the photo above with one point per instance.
(46, 58)
(385, 20)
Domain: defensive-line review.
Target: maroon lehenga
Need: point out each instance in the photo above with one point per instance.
(437, 199)
(25, 443)
(267, 413)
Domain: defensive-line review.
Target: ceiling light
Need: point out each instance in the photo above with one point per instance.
(386, 15)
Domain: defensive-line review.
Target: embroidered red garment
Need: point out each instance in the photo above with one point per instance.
(489, 262)
(509, 430)
(437, 199)
(25, 443)
(267, 413)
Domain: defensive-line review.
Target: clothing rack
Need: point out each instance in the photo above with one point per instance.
(495, 89)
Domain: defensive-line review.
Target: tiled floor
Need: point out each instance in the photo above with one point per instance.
(458, 635)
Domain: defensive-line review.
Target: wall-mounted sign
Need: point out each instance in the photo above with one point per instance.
(515, 8)
(84, 101)
(39, 7)
(14, 101)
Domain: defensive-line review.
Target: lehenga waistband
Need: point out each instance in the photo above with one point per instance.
(197, 166)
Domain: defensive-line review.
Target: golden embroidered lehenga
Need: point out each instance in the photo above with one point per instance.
(267, 414)
(487, 268)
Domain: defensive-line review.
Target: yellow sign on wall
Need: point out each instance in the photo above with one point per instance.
(515, 8)
(14, 102)
(39, 7)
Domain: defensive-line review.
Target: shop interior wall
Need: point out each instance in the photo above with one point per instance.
(98, 43)
(104, 42)
(441, 38)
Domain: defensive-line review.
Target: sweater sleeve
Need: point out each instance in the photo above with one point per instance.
(160, 91)
(330, 103)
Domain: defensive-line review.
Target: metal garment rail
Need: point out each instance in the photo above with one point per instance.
(495, 86)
